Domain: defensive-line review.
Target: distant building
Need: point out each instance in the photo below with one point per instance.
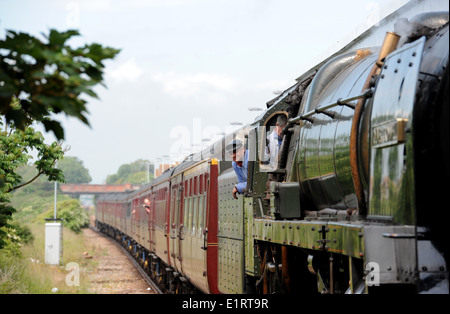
(163, 167)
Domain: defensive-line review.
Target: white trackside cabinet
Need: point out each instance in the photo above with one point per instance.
(53, 243)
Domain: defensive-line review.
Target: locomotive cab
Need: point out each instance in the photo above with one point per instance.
(263, 163)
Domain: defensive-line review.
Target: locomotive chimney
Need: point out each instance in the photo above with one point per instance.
(389, 44)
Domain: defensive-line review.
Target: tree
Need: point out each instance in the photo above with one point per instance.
(14, 149)
(74, 171)
(48, 78)
(38, 81)
(134, 173)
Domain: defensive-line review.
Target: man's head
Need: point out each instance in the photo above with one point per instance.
(281, 123)
(236, 149)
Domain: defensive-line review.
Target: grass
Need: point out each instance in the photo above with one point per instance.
(23, 271)
(27, 273)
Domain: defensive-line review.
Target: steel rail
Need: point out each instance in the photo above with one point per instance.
(144, 275)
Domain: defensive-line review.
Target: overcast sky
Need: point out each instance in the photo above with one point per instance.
(188, 68)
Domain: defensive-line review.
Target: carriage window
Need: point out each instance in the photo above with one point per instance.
(186, 210)
(172, 203)
(201, 209)
(177, 208)
(191, 206)
(201, 187)
(128, 209)
(194, 214)
(195, 186)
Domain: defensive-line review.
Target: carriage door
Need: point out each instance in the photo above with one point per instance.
(174, 220)
(184, 192)
(151, 221)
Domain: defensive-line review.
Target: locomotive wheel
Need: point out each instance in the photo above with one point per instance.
(270, 270)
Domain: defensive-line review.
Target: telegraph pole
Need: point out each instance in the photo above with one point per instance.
(54, 235)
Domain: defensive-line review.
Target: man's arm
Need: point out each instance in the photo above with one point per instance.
(241, 186)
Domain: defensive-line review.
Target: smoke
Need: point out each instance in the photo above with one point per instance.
(410, 31)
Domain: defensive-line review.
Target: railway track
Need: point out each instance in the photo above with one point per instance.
(138, 267)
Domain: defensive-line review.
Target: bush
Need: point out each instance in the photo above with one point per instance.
(11, 242)
(23, 232)
(74, 217)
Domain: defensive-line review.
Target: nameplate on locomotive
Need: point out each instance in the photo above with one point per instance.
(389, 133)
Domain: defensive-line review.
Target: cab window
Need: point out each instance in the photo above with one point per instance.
(270, 139)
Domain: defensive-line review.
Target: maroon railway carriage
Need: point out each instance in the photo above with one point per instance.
(176, 238)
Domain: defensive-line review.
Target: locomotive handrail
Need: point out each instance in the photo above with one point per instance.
(340, 102)
(205, 233)
(181, 232)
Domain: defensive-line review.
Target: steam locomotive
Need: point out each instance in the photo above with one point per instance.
(353, 203)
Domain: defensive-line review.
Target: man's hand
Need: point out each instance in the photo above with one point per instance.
(234, 192)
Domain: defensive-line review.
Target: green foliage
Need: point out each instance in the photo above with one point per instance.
(74, 217)
(23, 232)
(15, 237)
(6, 212)
(14, 148)
(47, 78)
(74, 171)
(38, 81)
(134, 173)
(11, 242)
(11, 262)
